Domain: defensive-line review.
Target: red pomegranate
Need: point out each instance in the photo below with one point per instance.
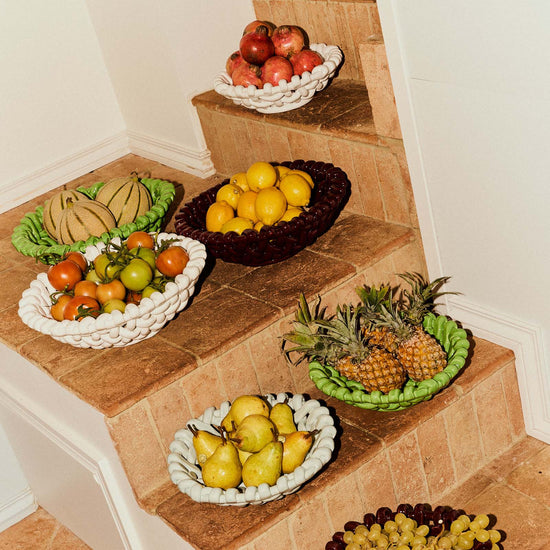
(253, 25)
(233, 61)
(276, 68)
(247, 75)
(305, 60)
(256, 47)
(288, 40)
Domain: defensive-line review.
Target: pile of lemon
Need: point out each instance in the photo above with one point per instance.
(263, 195)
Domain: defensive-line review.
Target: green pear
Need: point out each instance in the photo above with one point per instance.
(204, 443)
(243, 455)
(245, 405)
(264, 466)
(228, 423)
(295, 448)
(223, 469)
(282, 416)
(253, 433)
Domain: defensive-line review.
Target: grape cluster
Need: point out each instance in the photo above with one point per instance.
(417, 528)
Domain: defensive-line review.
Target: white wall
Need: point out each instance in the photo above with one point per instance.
(59, 117)
(473, 91)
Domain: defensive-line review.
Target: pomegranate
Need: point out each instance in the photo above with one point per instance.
(233, 61)
(256, 47)
(288, 40)
(247, 75)
(305, 60)
(276, 68)
(252, 26)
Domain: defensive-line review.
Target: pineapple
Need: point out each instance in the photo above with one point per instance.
(373, 367)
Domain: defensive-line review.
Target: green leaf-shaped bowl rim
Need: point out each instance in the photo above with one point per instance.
(453, 340)
(30, 237)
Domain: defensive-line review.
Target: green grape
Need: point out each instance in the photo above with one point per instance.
(482, 535)
(445, 543)
(457, 526)
(376, 527)
(348, 537)
(359, 538)
(408, 524)
(464, 543)
(494, 535)
(495, 547)
(390, 526)
(465, 519)
(422, 530)
(483, 520)
(418, 547)
(403, 547)
(362, 530)
(418, 540)
(475, 525)
(373, 535)
(406, 537)
(394, 537)
(382, 540)
(399, 518)
(354, 546)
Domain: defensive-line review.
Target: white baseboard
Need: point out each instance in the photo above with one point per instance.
(17, 508)
(526, 341)
(188, 160)
(21, 190)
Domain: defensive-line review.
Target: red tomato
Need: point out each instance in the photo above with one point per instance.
(133, 297)
(64, 275)
(58, 308)
(172, 261)
(85, 288)
(78, 258)
(109, 291)
(140, 239)
(81, 304)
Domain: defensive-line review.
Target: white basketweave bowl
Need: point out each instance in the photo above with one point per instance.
(115, 329)
(286, 95)
(309, 415)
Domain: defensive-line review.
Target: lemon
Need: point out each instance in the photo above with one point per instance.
(258, 225)
(237, 224)
(245, 206)
(282, 171)
(239, 179)
(217, 214)
(270, 205)
(261, 175)
(229, 193)
(305, 175)
(296, 190)
(291, 212)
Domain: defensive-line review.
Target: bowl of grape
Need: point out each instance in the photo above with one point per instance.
(418, 527)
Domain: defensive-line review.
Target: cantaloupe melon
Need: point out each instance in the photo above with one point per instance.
(55, 205)
(82, 220)
(126, 198)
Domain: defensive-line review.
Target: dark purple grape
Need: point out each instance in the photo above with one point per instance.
(406, 509)
(369, 519)
(435, 529)
(428, 513)
(333, 545)
(384, 514)
(482, 545)
(351, 525)
(338, 536)
(419, 513)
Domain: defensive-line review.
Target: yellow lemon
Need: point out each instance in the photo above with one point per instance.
(217, 214)
(291, 212)
(229, 193)
(261, 175)
(237, 224)
(239, 179)
(282, 171)
(296, 190)
(245, 206)
(305, 175)
(258, 225)
(270, 205)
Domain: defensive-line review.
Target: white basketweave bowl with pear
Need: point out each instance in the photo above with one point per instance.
(116, 329)
(287, 95)
(309, 415)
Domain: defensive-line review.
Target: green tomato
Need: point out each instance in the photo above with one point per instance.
(147, 291)
(146, 254)
(136, 275)
(106, 269)
(114, 304)
(93, 276)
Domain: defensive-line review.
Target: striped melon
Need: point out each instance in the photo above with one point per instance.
(82, 220)
(54, 206)
(126, 198)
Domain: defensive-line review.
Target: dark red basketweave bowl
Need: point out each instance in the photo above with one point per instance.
(272, 243)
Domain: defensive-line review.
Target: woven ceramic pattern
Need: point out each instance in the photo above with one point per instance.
(308, 415)
(115, 329)
(30, 237)
(286, 95)
(453, 340)
(272, 243)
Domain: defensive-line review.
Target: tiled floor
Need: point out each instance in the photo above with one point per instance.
(513, 488)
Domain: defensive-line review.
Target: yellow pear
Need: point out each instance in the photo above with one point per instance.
(243, 456)
(264, 466)
(228, 423)
(282, 416)
(246, 405)
(223, 469)
(295, 448)
(204, 443)
(253, 433)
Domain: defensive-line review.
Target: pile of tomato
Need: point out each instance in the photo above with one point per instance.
(122, 274)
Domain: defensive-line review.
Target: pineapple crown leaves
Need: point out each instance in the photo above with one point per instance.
(372, 299)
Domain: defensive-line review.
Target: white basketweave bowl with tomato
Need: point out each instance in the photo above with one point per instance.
(287, 95)
(116, 329)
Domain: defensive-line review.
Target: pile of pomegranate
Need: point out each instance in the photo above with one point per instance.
(269, 54)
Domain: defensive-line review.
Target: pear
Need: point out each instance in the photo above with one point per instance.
(223, 469)
(204, 443)
(228, 424)
(253, 433)
(264, 466)
(282, 416)
(243, 456)
(295, 448)
(244, 406)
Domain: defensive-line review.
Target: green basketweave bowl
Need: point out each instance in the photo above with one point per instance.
(453, 340)
(30, 237)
